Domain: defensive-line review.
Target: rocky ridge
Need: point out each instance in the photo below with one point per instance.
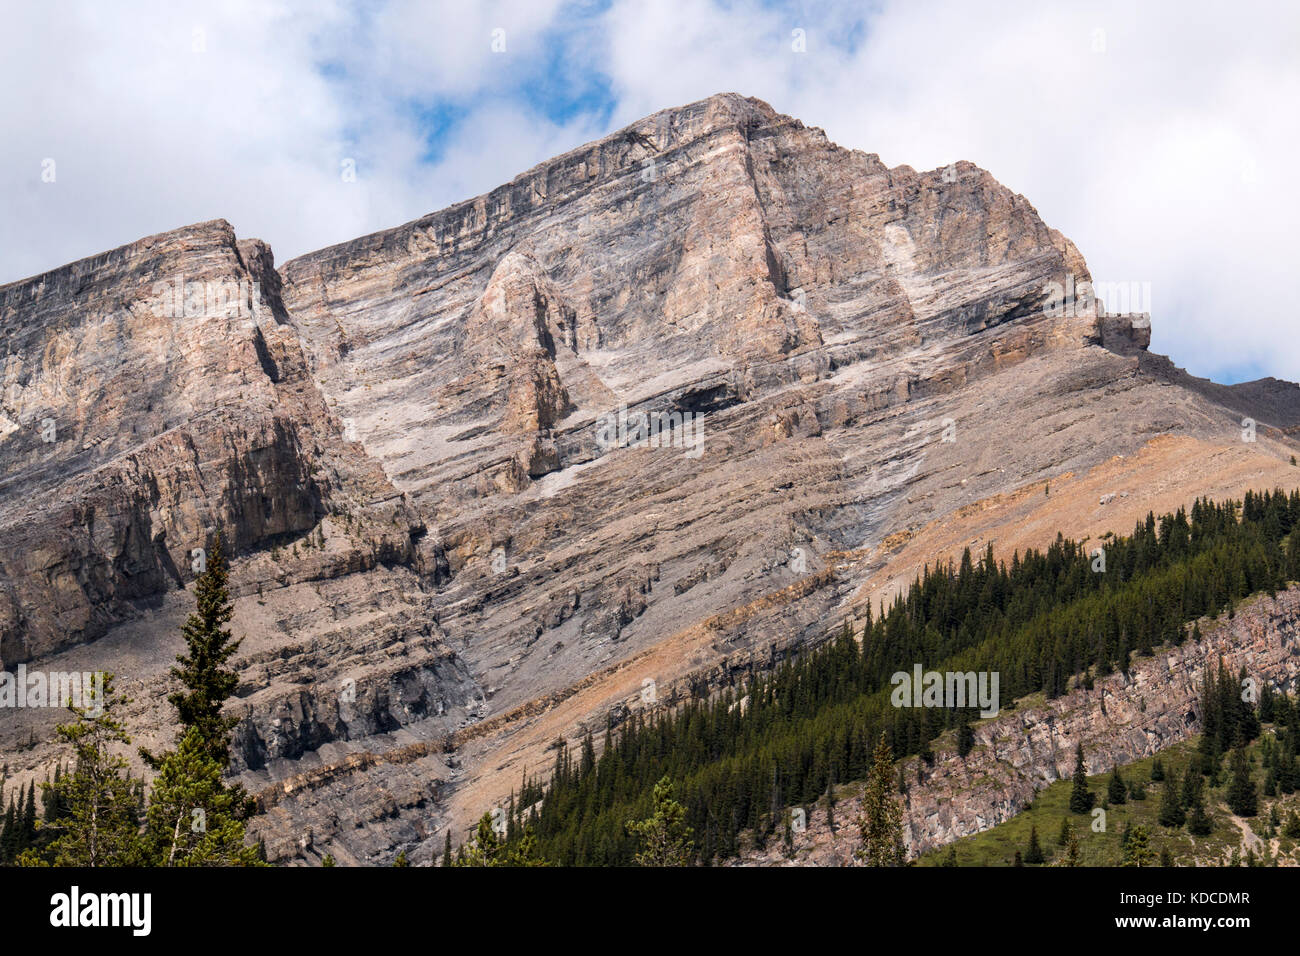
(440, 565)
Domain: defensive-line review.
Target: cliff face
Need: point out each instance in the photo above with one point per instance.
(452, 543)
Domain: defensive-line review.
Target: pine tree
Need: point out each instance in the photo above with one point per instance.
(1081, 798)
(328, 860)
(1241, 798)
(950, 858)
(881, 824)
(400, 860)
(1292, 828)
(1157, 771)
(1138, 852)
(446, 849)
(1072, 848)
(1116, 791)
(202, 670)
(486, 848)
(1198, 822)
(1034, 852)
(664, 837)
(100, 825)
(193, 819)
(1171, 803)
(1063, 837)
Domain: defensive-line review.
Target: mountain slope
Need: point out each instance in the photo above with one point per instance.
(403, 437)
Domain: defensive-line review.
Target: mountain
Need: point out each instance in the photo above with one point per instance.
(451, 549)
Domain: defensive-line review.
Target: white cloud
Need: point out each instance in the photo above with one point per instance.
(1167, 157)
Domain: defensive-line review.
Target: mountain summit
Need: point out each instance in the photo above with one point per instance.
(658, 411)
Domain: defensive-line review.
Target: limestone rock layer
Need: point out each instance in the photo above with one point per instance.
(660, 409)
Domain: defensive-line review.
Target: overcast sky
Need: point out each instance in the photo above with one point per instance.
(1160, 136)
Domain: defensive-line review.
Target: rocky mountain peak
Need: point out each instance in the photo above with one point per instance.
(660, 408)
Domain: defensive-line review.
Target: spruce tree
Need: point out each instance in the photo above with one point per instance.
(664, 837)
(1241, 797)
(1081, 798)
(1116, 792)
(193, 819)
(203, 669)
(881, 824)
(1198, 822)
(1138, 852)
(99, 826)
(1171, 803)
(1034, 852)
(1072, 848)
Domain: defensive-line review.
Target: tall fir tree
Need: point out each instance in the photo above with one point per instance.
(100, 824)
(1241, 797)
(881, 824)
(203, 670)
(664, 837)
(1081, 798)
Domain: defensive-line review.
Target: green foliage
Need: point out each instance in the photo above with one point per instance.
(488, 849)
(1034, 852)
(1241, 797)
(1137, 850)
(193, 818)
(881, 824)
(1081, 798)
(100, 806)
(1116, 791)
(665, 839)
(202, 670)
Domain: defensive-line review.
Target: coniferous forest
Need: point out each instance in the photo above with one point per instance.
(1043, 621)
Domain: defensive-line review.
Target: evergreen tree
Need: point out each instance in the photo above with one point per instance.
(1081, 798)
(1171, 804)
(1116, 792)
(1063, 837)
(1241, 798)
(664, 837)
(1292, 828)
(1072, 848)
(1198, 822)
(193, 819)
(100, 825)
(203, 669)
(400, 860)
(488, 849)
(1138, 852)
(446, 849)
(1157, 770)
(1034, 852)
(328, 860)
(881, 823)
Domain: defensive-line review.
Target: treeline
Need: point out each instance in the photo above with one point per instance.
(786, 737)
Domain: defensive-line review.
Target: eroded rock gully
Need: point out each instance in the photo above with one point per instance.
(438, 566)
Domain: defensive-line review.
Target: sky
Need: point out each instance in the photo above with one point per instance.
(1160, 136)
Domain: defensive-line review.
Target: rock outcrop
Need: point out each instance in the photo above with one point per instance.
(1125, 717)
